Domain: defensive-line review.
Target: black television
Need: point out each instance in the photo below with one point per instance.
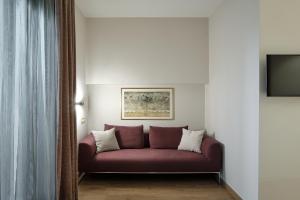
(283, 75)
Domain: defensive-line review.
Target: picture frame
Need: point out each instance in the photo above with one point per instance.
(147, 103)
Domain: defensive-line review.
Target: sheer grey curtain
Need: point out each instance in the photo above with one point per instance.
(28, 99)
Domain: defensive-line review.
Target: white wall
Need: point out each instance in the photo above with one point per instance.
(280, 117)
(105, 107)
(232, 102)
(81, 89)
(147, 50)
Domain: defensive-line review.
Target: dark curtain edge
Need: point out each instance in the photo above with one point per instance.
(66, 167)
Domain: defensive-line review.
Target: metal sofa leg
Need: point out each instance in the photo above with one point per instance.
(219, 178)
(81, 177)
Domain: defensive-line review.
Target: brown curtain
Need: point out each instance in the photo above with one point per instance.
(67, 179)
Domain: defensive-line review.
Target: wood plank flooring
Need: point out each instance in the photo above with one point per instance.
(151, 187)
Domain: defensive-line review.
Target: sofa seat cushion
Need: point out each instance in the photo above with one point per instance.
(150, 160)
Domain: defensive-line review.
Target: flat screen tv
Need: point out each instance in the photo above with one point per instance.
(283, 75)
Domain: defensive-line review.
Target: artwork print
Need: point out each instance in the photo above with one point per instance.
(147, 103)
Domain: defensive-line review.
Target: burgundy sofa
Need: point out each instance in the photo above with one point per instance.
(155, 152)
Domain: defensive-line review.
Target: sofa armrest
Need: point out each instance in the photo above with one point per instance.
(86, 152)
(213, 151)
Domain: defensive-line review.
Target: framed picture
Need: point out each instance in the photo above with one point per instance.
(147, 103)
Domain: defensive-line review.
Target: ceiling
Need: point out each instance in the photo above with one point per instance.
(147, 8)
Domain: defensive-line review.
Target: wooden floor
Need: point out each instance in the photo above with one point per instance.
(151, 187)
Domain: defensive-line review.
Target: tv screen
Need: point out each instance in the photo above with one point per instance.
(283, 75)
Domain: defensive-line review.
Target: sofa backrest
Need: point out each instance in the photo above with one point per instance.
(157, 138)
(129, 137)
(165, 137)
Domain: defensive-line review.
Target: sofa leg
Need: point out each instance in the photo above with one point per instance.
(219, 178)
(81, 177)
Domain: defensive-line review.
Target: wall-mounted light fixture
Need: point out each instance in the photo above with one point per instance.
(81, 103)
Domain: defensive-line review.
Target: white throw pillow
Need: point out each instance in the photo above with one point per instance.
(191, 140)
(106, 140)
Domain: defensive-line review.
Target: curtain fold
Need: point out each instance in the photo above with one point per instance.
(67, 177)
(28, 99)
